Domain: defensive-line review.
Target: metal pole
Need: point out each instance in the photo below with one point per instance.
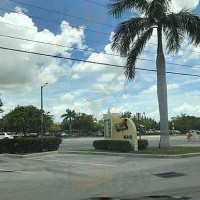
(42, 119)
(42, 111)
(140, 130)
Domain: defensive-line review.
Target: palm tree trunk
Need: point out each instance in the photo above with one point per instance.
(162, 93)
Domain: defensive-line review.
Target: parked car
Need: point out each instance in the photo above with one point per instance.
(177, 131)
(98, 133)
(49, 134)
(151, 131)
(5, 136)
(33, 134)
(64, 134)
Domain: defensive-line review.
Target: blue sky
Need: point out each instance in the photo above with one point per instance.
(86, 87)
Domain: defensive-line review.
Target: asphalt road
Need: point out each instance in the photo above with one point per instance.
(86, 143)
(64, 176)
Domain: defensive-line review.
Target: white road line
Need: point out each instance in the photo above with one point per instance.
(10, 170)
(24, 172)
(65, 161)
(47, 156)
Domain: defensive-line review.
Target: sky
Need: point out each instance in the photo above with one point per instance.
(86, 87)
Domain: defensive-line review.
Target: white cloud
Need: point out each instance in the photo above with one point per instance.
(173, 86)
(20, 9)
(153, 89)
(102, 58)
(106, 77)
(22, 72)
(76, 76)
(109, 88)
(126, 96)
(177, 5)
(67, 97)
(189, 109)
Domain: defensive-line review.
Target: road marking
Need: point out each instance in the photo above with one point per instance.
(47, 156)
(65, 161)
(21, 172)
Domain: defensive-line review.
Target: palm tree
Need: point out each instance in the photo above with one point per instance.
(132, 35)
(70, 115)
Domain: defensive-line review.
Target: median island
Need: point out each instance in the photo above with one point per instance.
(119, 146)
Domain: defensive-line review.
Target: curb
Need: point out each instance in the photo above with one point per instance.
(28, 155)
(189, 155)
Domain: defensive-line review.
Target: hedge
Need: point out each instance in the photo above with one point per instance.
(29, 145)
(113, 145)
(142, 144)
(119, 145)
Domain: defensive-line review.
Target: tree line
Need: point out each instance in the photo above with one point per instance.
(27, 119)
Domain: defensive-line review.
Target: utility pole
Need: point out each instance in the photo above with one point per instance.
(138, 117)
(144, 122)
(42, 111)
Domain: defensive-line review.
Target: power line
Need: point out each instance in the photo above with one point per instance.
(56, 12)
(93, 62)
(60, 13)
(103, 33)
(25, 27)
(88, 50)
(84, 28)
(30, 28)
(103, 5)
(55, 22)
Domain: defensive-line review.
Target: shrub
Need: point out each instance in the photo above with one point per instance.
(29, 145)
(142, 144)
(113, 145)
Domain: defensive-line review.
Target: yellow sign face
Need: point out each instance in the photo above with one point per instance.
(117, 128)
(123, 128)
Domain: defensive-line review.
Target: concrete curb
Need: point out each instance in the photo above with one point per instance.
(132, 155)
(28, 155)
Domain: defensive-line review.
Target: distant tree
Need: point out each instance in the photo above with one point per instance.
(146, 122)
(185, 122)
(126, 114)
(1, 105)
(69, 117)
(55, 128)
(86, 124)
(25, 119)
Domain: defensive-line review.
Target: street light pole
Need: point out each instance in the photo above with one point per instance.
(42, 111)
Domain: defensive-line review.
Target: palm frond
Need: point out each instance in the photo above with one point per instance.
(64, 115)
(136, 50)
(126, 32)
(191, 24)
(119, 7)
(174, 32)
(158, 9)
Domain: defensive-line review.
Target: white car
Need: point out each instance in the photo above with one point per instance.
(5, 136)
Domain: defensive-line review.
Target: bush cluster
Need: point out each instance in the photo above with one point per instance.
(29, 145)
(113, 145)
(119, 145)
(142, 144)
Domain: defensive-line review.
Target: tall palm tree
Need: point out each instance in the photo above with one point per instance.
(70, 115)
(132, 35)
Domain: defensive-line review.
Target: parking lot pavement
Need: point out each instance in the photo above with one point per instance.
(63, 176)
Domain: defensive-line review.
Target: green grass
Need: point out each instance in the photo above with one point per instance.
(175, 150)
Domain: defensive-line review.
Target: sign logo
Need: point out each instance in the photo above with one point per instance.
(121, 126)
